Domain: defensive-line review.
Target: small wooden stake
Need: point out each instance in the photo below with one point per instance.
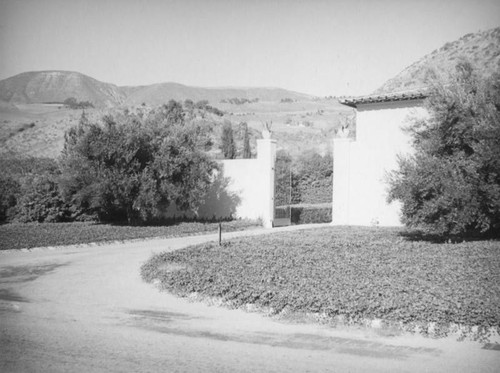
(220, 234)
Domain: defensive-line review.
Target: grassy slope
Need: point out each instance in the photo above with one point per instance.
(38, 130)
(481, 48)
(359, 273)
(288, 121)
(21, 236)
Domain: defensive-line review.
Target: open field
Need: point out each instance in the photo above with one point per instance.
(345, 274)
(25, 236)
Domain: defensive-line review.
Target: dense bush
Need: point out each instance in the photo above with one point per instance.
(29, 191)
(9, 190)
(312, 178)
(73, 103)
(40, 201)
(451, 186)
(133, 167)
(203, 106)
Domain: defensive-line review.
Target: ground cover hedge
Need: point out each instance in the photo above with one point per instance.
(311, 214)
(355, 273)
(20, 236)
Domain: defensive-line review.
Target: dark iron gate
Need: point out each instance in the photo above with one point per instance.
(282, 192)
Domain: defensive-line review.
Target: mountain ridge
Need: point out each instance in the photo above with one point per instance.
(57, 85)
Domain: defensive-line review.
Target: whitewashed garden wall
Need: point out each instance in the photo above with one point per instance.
(243, 189)
(361, 164)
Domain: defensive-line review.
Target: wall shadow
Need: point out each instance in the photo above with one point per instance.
(219, 203)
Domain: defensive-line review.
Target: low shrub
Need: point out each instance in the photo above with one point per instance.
(311, 214)
(358, 273)
(30, 235)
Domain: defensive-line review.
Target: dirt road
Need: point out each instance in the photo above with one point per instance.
(85, 309)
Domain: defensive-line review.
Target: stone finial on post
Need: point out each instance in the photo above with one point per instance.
(266, 130)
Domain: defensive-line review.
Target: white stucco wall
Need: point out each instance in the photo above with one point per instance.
(361, 166)
(244, 188)
(244, 177)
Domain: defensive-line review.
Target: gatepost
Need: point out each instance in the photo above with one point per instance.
(341, 182)
(266, 154)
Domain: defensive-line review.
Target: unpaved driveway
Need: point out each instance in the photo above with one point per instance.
(85, 309)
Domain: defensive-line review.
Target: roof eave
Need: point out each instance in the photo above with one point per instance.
(375, 99)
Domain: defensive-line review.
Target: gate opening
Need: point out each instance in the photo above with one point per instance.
(282, 192)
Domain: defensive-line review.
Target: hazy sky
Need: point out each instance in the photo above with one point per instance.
(314, 46)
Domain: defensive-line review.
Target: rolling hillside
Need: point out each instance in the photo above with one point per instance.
(56, 86)
(38, 87)
(481, 48)
(32, 124)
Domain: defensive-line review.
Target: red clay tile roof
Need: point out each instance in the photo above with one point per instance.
(401, 96)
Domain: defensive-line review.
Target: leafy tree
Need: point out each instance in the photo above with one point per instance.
(173, 112)
(247, 152)
(228, 146)
(451, 185)
(132, 168)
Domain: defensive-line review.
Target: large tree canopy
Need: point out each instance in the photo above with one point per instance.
(134, 166)
(451, 185)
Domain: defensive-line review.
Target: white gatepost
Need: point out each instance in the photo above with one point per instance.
(341, 180)
(266, 154)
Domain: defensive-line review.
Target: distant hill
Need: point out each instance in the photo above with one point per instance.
(157, 94)
(55, 86)
(481, 48)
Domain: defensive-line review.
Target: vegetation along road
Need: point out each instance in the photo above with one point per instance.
(86, 308)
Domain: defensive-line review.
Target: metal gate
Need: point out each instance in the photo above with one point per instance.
(282, 192)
